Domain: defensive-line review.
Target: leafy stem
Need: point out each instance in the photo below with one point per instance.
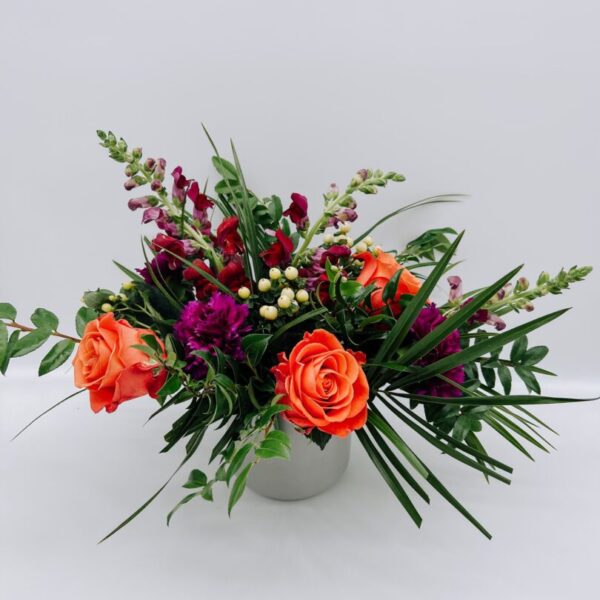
(16, 325)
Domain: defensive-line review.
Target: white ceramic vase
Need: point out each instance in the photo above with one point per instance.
(310, 470)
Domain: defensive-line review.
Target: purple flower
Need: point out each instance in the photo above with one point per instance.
(345, 215)
(162, 220)
(429, 318)
(485, 316)
(135, 203)
(219, 323)
(180, 184)
(456, 291)
(159, 266)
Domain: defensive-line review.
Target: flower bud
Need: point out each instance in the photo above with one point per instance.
(274, 273)
(328, 238)
(106, 307)
(349, 241)
(357, 179)
(368, 240)
(528, 306)
(344, 228)
(361, 247)
(288, 292)
(128, 171)
(122, 297)
(522, 284)
(130, 184)
(112, 298)
(150, 163)
(244, 293)
(128, 285)
(156, 185)
(270, 313)
(136, 153)
(291, 273)
(543, 278)
(302, 296)
(284, 302)
(264, 285)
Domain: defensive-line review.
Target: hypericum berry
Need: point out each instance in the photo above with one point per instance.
(106, 307)
(291, 273)
(112, 298)
(128, 285)
(274, 273)
(264, 285)
(122, 297)
(302, 296)
(344, 228)
(288, 292)
(284, 302)
(244, 293)
(349, 241)
(361, 247)
(328, 238)
(368, 240)
(270, 313)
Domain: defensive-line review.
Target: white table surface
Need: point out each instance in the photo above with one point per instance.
(74, 475)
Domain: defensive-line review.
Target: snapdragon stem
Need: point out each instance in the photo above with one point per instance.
(16, 325)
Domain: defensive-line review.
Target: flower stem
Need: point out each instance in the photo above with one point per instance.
(16, 325)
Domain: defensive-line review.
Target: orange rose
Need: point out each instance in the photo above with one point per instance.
(378, 270)
(323, 384)
(108, 366)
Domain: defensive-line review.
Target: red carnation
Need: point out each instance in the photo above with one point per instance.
(204, 288)
(298, 211)
(280, 252)
(228, 238)
(233, 275)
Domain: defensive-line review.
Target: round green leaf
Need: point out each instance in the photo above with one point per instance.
(58, 355)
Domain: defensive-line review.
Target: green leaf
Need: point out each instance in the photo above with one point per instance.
(499, 400)
(7, 311)
(46, 412)
(423, 202)
(3, 342)
(275, 445)
(196, 439)
(237, 460)
(96, 298)
(518, 349)
(432, 339)
(131, 274)
(312, 314)
(44, 319)
(391, 287)
(83, 317)
(224, 168)
(468, 355)
(505, 378)
(399, 331)
(237, 490)
(388, 477)
(196, 479)
(534, 355)
(30, 342)
(12, 340)
(528, 379)
(351, 290)
(58, 355)
(183, 501)
(255, 345)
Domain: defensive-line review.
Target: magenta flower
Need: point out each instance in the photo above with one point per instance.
(135, 203)
(298, 211)
(429, 318)
(219, 323)
(180, 184)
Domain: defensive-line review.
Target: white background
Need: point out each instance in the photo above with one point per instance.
(498, 100)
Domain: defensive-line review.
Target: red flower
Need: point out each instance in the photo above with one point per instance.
(334, 254)
(201, 204)
(233, 275)
(228, 238)
(280, 252)
(298, 211)
(204, 288)
(180, 183)
(172, 246)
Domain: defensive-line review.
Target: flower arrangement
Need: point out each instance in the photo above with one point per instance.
(245, 312)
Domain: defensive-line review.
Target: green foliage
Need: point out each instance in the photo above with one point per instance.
(7, 311)
(57, 355)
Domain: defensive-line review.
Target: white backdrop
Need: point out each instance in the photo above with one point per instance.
(498, 100)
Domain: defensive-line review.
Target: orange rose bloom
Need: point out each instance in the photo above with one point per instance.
(378, 270)
(323, 384)
(110, 368)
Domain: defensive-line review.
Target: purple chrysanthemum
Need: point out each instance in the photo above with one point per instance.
(218, 322)
(429, 318)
